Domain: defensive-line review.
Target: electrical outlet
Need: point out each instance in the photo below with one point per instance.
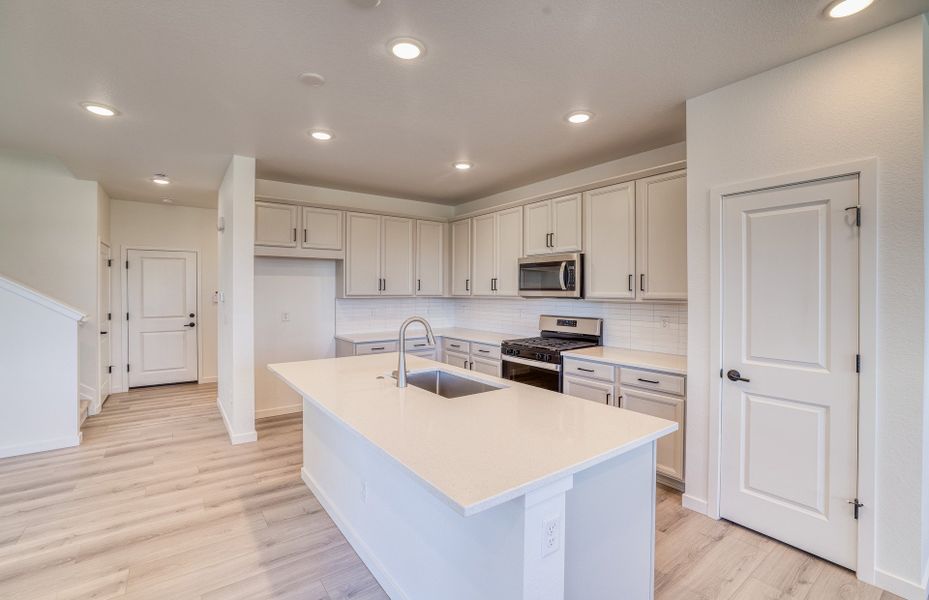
(551, 536)
(285, 316)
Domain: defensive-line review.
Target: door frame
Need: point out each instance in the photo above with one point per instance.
(97, 405)
(866, 170)
(124, 290)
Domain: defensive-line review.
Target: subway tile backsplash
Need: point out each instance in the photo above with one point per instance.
(651, 327)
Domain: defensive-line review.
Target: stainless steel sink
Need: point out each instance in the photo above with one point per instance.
(448, 385)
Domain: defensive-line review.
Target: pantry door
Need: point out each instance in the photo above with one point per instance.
(789, 413)
(162, 301)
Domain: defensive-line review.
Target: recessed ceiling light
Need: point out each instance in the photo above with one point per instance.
(406, 48)
(579, 116)
(846, 8)
(167, 200)
(321, 134)
(313, 79)
(463, 165)
(160, 179)
(101, 110)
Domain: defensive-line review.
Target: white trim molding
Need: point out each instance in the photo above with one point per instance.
(243, 437)
(23, 290)
(274, 411)
(910, 590)
(41, 446)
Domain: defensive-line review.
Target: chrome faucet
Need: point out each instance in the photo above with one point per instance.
(401, 361)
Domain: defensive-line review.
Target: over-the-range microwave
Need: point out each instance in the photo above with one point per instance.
(551, 276)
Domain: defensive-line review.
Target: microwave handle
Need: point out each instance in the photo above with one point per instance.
(561, 273)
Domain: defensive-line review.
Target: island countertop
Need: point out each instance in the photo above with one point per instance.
(473, 452)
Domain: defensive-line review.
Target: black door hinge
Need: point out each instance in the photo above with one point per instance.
(109, 262)
(109, 316)
(127, 367)
(720, 373)
(857, 210)
(127, 316)
(858, 363)
(127, 264)
(109, 369)
(857, 506)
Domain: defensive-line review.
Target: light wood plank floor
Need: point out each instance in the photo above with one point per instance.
(157, 504)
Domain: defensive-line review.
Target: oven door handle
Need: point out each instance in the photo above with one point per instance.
(561, 273)
(533, 363)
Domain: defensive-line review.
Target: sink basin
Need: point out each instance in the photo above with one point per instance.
(448, 385)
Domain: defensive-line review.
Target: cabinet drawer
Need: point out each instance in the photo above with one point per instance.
(453, 345)
(593, 370)
(485, 350)
(375, 348)
(650, 380)
(420, 345)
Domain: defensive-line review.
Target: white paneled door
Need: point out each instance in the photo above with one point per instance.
(104, 318)
(162, 300)
(788, 464)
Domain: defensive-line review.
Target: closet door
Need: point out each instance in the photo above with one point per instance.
(482, 253)
(661, 209)
(461, 258)
(566, 224)
(538, 228)
(362, 255)
(276, 224)
(508, 232)
(397, 256)
(430, 258)
(609, 262)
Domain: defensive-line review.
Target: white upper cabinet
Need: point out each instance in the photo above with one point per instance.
(276, 224)
(661, 232)
(508, 235)
(362, 263)
(322, 229)
(553, 225)
(461, 258)
(430, 258)
(396, 256)
(609, 260)
(482, 255)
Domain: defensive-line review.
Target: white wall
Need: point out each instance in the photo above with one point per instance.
(304, 290)
(236, 339)
(143, 225)
(861, 99)
(48, 241)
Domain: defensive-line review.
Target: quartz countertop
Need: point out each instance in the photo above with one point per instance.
(473, 452)
(416, 331)
(655, 361)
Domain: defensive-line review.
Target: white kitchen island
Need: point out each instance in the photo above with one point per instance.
(516, 493)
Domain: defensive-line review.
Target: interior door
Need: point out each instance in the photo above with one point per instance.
(662, 236)
(430, 258)
(788, 461)
(162, 294)
(461, 258)
(104, 318)
(276, 224)
(566, 223)
(362, 255)
(483, 252)
(509, 235)
(538, 228)
(397, 267)
(610, 258)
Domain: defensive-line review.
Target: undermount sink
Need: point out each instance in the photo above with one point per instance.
(448, 385)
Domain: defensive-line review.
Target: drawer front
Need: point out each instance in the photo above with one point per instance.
(375, 348)
(485, 351)
(453, 345)
(601, 393)
(424, 353)
(418, 345)
(650, 380)
(582, 368)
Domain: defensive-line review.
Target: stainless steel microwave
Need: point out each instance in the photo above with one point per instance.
(551, 276)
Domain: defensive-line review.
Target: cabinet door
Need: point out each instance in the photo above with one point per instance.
(457, 360)
(661, 208)
(538, 226)
(609, 261)
(322, 229)
(566, 223)
(276, 224)
(482, 255)
(362, 255)
(670, 447)
(508, 231)
(589, 390)
(397, 256)
(430, 258)
(461, 258)
(486, 366)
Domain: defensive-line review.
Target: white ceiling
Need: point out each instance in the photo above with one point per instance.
(199, 80)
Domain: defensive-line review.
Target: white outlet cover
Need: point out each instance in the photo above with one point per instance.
(551, 536)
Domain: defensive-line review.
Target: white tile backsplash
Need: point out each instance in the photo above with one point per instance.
(651, 327)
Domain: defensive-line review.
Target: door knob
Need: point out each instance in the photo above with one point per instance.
(191, 325)
(734, 375)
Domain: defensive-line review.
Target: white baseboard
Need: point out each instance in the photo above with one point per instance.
(695, 504)
(41, 446)
(900, 586)
(243, 437)
(263, 413)
(87, 392)
(388, 583)
(207, 379)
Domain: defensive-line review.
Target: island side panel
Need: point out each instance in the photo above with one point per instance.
(416, 546)
(610, 529)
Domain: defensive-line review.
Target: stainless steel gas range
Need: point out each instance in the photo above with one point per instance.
(537, 360)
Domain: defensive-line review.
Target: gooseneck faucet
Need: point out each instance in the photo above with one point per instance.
(401, 361)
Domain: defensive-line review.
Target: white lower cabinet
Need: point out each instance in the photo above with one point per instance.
(666, 406)
(474, 356)
(457, 359)
(486, 366)
(595, 391)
